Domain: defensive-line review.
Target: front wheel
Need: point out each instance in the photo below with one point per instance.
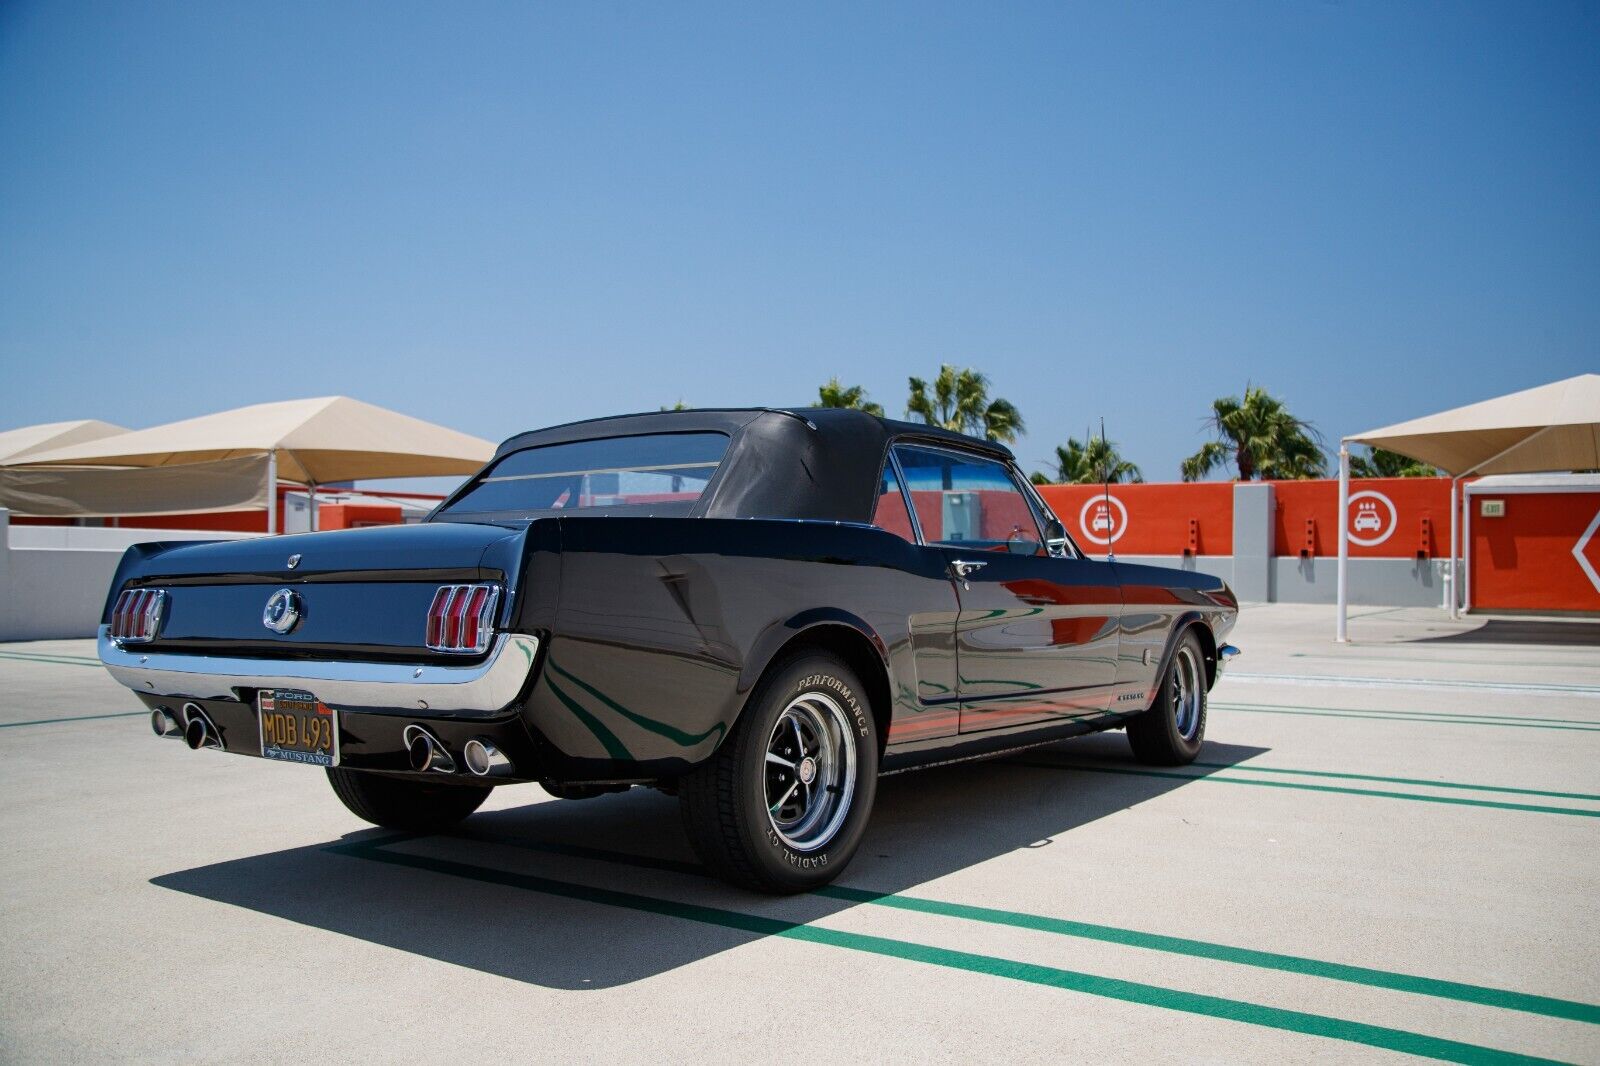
(1171, 731)
(401, 803)
(782, 804)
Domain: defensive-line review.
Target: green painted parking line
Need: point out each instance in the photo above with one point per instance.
(58, 660)
(79, 718)
(1070, 980)
(1266, 960)
(1379, 793)
(1413, 719)
(1515, 718)
(1397, 780)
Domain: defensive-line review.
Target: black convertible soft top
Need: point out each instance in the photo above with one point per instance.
(802, 462)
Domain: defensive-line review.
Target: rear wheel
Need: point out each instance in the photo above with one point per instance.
(401, 803)
(782, 805)
(1171, 731)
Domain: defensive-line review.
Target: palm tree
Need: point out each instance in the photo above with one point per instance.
(1380, 462)
(1261, 438)
(960, 402)
(1091, 463)
(854, 398)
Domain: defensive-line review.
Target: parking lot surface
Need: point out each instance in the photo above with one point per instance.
(1386, 849)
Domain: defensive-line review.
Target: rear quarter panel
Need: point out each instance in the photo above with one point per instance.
(664, 626)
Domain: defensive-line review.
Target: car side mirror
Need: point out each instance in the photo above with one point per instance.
(1055, 537)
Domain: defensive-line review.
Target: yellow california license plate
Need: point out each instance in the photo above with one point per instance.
(297, 727)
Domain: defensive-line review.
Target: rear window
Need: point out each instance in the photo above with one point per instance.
(661, 473)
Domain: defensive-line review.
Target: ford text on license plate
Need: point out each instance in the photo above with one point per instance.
(296, 727)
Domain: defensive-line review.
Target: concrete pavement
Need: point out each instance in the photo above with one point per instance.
(1386, 848)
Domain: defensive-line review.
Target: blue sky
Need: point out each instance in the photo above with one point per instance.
(504, 216)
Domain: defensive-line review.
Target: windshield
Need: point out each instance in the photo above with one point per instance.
(655, 474)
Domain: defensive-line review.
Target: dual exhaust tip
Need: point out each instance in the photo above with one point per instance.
(193, 727)
(428, 753)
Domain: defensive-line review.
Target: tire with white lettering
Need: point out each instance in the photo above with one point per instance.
(401, 803)
(782, 805)
(1171, 731)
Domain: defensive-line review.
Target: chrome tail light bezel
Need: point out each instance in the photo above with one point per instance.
(475, 603)
(138, 615)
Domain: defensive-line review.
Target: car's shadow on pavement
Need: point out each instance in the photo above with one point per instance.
(584, 894)
(1574, 634)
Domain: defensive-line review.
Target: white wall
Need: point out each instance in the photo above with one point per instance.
(54, 579)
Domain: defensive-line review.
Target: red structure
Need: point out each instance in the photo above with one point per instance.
(1167, 519)
(357, 511)
(1390, 518)
(1534, 549)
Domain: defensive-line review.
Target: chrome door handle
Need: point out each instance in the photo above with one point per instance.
(965, 568)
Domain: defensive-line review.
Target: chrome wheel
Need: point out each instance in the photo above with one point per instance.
(810, 771)
(1186, 693)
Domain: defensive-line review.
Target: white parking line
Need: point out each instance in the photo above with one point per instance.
(1346, 681)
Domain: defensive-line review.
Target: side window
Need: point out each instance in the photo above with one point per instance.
(890, 511)
(968, 502)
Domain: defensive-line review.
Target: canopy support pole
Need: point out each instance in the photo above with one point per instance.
(272, 493)
(1455, 546)
(1342, 630)
(311, 492)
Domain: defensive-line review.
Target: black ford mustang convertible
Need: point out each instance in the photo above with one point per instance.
(759, 610)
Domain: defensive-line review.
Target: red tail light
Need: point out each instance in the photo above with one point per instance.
(461, 618)
(138, 615)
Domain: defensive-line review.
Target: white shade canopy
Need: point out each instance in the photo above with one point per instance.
(1554, 427)
(328, 439)
(16, 445)
(1551, 427)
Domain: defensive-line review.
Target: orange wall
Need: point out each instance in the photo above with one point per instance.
(1525, 560)
(246, 521)
(354, 515)
(1414, 499)
(226, 521)
(1157, 516)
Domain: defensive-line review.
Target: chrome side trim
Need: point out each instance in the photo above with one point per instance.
(478, 690)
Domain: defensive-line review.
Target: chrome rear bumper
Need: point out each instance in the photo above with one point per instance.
(479, 689)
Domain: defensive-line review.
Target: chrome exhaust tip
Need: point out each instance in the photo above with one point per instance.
(199, 732)
(426, 751)
(483, 759)
(165, 724)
